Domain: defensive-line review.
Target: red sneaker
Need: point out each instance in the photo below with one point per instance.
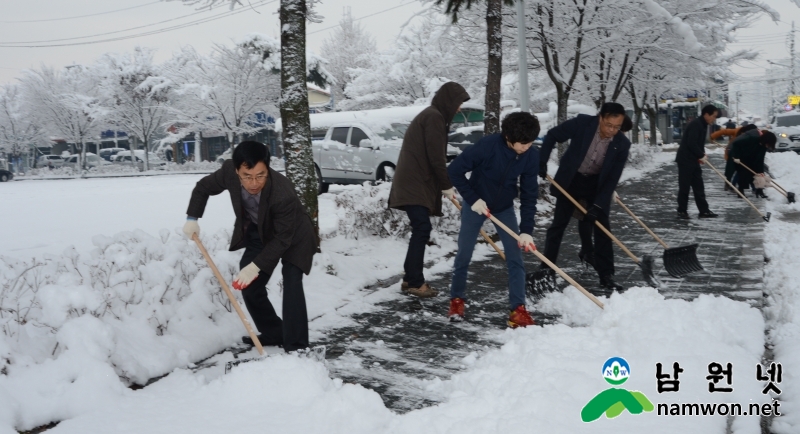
(519, 317)
(456, 312)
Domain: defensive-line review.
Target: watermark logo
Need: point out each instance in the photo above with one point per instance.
(612, 402)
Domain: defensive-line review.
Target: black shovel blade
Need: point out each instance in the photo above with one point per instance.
(766, 217)
(647, 264)
(680, 261)
(790, 196)
(540, 282)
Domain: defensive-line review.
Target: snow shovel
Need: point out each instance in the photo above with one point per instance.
(647, 261)
(765, 217)
(787, 194)
(678, 261)
(229, 294)
(483, 233)
(548, 262)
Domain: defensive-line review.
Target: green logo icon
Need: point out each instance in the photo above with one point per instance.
(614, 401)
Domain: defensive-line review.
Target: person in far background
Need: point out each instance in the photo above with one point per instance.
(691, 154)
(730, 125)
(749, 149)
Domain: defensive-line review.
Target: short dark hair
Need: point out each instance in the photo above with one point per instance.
(520, 127)
(768, 139)
(627, 124)
(612, 109)
(250, 153)
(709, 109)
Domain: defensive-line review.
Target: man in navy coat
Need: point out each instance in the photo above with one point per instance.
(589, 170)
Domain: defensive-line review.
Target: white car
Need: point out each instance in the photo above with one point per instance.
(352, 153)
(56, 160)
(124, 158)
(92, 160)
(786, 127)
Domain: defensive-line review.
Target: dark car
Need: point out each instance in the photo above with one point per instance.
(5, 175)
(462, 139)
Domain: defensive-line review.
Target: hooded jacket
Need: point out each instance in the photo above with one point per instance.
(421, 172)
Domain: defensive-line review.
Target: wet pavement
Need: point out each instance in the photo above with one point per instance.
(394, 349)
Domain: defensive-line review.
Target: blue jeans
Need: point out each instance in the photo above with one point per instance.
(471, 223)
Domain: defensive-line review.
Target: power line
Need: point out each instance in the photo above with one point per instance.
(80, 16)
(361, 18)
(5, 43)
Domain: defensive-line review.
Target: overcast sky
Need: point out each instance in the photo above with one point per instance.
(65, 22)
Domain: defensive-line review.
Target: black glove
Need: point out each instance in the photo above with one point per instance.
(543, 169)
(593, 213)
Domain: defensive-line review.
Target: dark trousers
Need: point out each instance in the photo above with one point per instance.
(420, 234)
(292, 331)
(690, 175)
(581, 187)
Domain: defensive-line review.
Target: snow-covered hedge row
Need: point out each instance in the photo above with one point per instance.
(138, 286)
(641, 155)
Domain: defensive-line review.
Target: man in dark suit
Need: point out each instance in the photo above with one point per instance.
(691, 154)
(589, 170)
(271, 225)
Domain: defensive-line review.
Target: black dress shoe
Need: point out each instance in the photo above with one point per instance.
(707, 215)
(760, 193)
(587, 258)
(607, 282)
(683, 215)
(265, 341)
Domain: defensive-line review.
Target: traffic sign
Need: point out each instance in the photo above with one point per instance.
(794, 99)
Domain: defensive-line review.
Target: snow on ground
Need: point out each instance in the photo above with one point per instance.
(142, 303)
(782, 284)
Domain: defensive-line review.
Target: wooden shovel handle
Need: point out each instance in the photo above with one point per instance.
(483, 233)
(603, 228)
(619, 202)
(778, 188)
(229, 294)
(549, 263)
(734, 188)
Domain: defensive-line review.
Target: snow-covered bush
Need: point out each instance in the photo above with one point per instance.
(146, 290)
(365, 212)
(641, 155)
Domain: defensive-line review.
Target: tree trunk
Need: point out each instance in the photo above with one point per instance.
(494, 40)
(294, 106)
(146, 156)
(562, 98)
(637, 113)
(82, 157)
(653, 115)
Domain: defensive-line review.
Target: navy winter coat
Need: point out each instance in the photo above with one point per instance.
(495, 168)
(580, 131)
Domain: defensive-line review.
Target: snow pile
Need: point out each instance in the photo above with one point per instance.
(541, 377)
(782, 284)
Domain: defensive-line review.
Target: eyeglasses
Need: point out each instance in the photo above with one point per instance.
(251, 179)
(612, 126)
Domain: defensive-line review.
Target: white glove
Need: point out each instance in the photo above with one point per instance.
(246, 276)
(191, 227)
(737, 161)
(450, 193)
(526, 242)
(480, 207)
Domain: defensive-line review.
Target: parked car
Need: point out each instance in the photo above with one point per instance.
(5, 175)
(92, 160)
(107, 153)
(56, 160)
(786, 127)
(124, 158)
(462, 138)
(227, 155)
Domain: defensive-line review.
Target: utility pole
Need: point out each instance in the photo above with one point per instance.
(738, 97)
(524, 99)
(791, 56)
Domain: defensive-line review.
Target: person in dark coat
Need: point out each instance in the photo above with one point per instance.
(496, 162)
(271, 225)
(590, 170)
(420, 179)
(750, 149)
(730, 166)
(691, 154)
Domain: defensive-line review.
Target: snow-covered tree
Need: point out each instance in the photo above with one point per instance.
(349, 47)
(223, 92)
(135, 94)
(18, 129)
(66, 102)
